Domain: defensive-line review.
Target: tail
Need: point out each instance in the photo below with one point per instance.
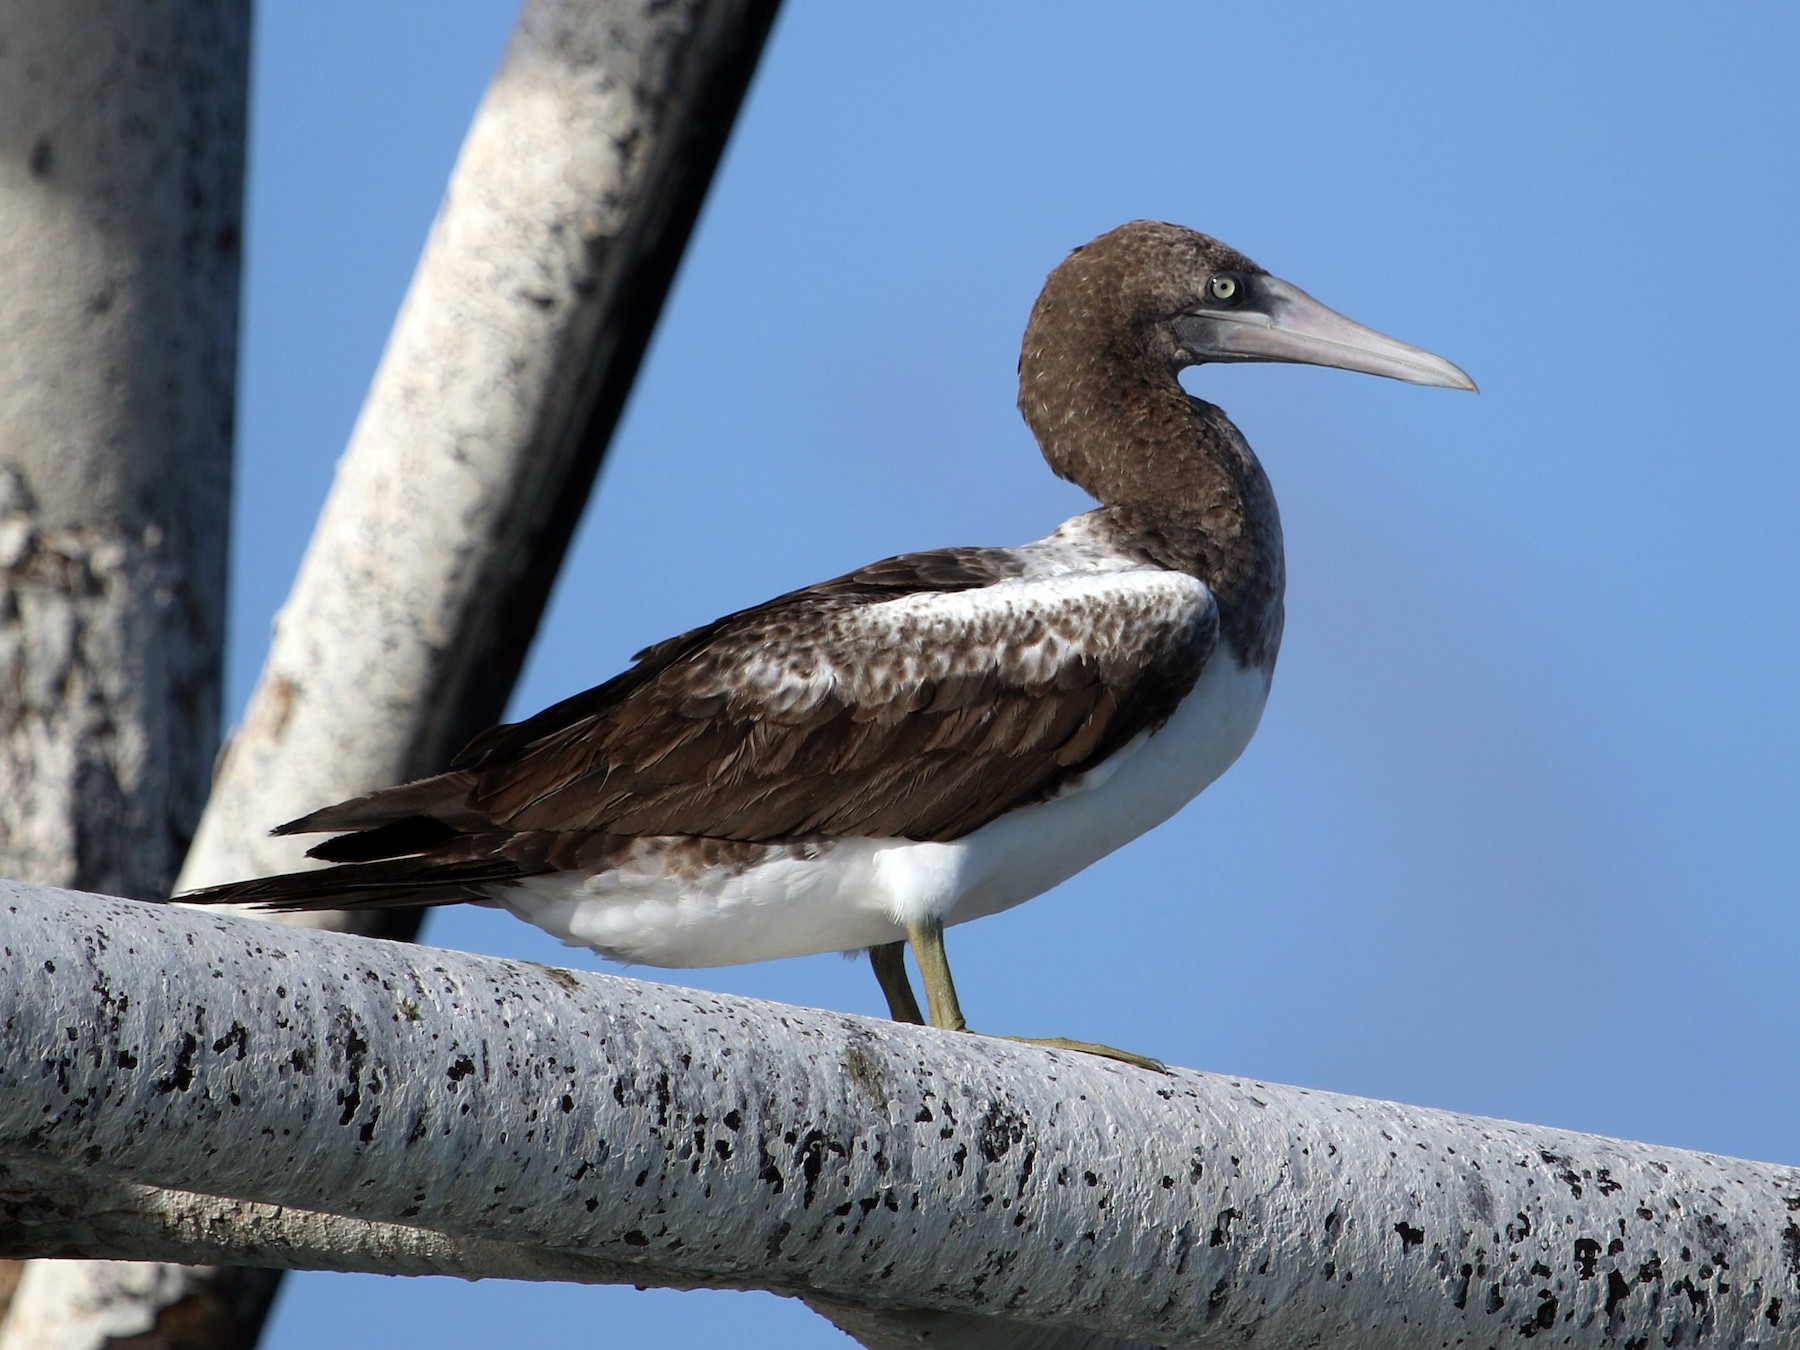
(418, 880)
(415, 844)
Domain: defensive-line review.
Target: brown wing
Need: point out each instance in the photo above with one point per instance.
(921, 715)
(918, 699)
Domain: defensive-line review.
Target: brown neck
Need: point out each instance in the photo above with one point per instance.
(1179, 479)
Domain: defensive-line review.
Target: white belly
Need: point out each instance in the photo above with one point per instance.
(842, 894)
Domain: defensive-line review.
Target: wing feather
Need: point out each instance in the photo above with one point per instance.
(919, 698)
(921, 716)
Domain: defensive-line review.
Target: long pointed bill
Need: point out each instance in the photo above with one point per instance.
(1278, 321)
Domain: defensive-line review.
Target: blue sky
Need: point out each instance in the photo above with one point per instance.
(1517, 835)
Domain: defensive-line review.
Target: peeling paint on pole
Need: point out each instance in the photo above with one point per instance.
(720, 1138)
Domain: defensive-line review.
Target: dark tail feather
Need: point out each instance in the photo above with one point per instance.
(367, 885)
(397, 839)
(444, 797)
(405, 845)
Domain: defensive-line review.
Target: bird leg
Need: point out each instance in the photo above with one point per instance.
(927, 938)
(889, 961)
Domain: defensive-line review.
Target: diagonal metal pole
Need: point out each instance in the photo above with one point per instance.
(506, 372)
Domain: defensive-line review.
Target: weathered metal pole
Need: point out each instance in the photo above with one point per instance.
(121, 198)
(697, 1139)
(122, 134)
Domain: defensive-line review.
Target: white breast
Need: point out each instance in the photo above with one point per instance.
(1026, 852)
(850, 893)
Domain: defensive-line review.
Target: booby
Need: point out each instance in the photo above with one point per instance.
(935, 737)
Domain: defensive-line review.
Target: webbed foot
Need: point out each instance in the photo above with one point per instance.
(1093, 1048)
(927, 938)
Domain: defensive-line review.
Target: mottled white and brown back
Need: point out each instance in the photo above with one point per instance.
(916, 699)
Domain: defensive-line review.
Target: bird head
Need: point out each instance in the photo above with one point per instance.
(1184, 298)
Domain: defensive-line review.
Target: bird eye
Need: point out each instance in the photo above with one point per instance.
(1225, 289)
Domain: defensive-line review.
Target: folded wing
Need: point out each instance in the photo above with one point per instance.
(919, 698)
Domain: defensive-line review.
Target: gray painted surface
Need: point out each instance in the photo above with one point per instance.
(121, 200)
(698, 1139)
(122, 131)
